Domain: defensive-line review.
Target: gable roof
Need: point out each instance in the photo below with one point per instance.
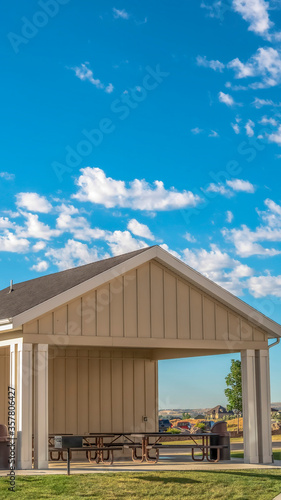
(36, 297)
(30, 293)
(218, 409)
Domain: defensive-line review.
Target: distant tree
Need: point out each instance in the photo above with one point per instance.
(234, 388)
(186, 416)
(199, 417)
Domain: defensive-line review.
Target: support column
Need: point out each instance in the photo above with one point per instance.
(41, 446)
(24, 406)
(13, 366)
(263, 406)
(250, 422)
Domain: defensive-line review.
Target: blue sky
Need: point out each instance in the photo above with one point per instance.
(137, 123)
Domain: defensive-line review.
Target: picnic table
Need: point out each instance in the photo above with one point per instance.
(146, 446)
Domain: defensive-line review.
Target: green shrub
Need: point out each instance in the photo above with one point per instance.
(172, 430)
(201, 425)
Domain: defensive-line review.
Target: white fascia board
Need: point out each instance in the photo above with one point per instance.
(175, 265)
(217, 292)
(84, 287)
(6, 326)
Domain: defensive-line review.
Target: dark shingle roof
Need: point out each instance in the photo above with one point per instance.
(33, 292)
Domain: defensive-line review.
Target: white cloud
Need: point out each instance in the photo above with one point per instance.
(197, 130)
(9, 242)
(259, 103)
(189, 237)
(261, 286)
(34, 228)
(275, 136)
(265, 63)
(123, 14)
(250, 128)
(241, 185)
(226, 99)
(246, 242)
(73, 254)
(229, 216)
(236, 128)
(95, 187)
(40, 245)
(79, 227)
(33, 202)
(268, 121)
(7, 176)
(139, 229)
(213, 133)
(215, 65)
(214, 10)
(219, 267)
(172, 252)
(83, 72)
(5, 223)
(255, 12)
(41, 266)
(219, 188)
(122, 242)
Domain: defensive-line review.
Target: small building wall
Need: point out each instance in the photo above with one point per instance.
(4, 383)
(147, 302)
(93, 390)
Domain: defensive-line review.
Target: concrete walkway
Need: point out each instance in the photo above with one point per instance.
(173, 462)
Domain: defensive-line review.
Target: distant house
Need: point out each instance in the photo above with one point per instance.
(275, 412)
(218, 412)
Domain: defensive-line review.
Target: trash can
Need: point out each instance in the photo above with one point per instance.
(222, 440)
(4, 447)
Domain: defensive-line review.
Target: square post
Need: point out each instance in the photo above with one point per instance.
(41, 446)
(250, 421)
(263, 406)
(24, 406)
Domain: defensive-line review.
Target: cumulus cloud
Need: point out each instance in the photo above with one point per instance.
(219, 267)
(275, 136)
(40, 245)
(226, 99)
(84, 73)
(33, 202)
(95, 187)
(261, 286)
(265, 63)
(259, 103)
(189, 237)
(9, 242)
(236, 128)
(41, 266)
(249, 127)
(34, 228)
(255, 12)
(229, 216)
(74, 253)
(213, 64)
(122, 242)
(139, 229)
(241, 185)
(219, 188)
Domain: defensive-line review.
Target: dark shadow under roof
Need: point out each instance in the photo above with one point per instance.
(30, 293)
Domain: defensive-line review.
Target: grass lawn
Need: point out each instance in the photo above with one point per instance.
(240, 454)
(235, 484)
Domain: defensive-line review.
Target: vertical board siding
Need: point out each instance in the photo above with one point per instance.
(60, 321)
(89, 314)
(221, 323)
(143, 294)
(59, 395)
(209, 321)
(46, 324)
(246, 331)
(116, 307)
(117, 395)
(94, 394)
(128, 389)
(151, 396)
(105, 380)
(130, 304)
(139, 395)
(83, 392)
(103, 299)
(170, 304)
(183, 310)
(71, 387)
(157, 301)
(196, 315)
(234, 327)
(74, 317)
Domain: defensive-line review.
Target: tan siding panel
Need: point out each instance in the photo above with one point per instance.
(59, 395)
(128, 395)
(157, 302)
(83, 393)
(196, 315)
(71, 403)
(209, 319)
(259, 335)
(221, 323)
(246, 331)
(116, 307)
(94, 395)
(170, 297)
(74, 317)
(183, 310)
(130, 304)
(139, 395)
(117, 395)
(150, 394)
(31, 327)
(234, 327)
(51, 391)
(143, 301)
(103, 311)
(60, 321)
(89, 314)
(46, 324)
(106, 395)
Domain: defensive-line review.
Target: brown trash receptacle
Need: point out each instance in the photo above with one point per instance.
(4, 447)
(222, 440)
